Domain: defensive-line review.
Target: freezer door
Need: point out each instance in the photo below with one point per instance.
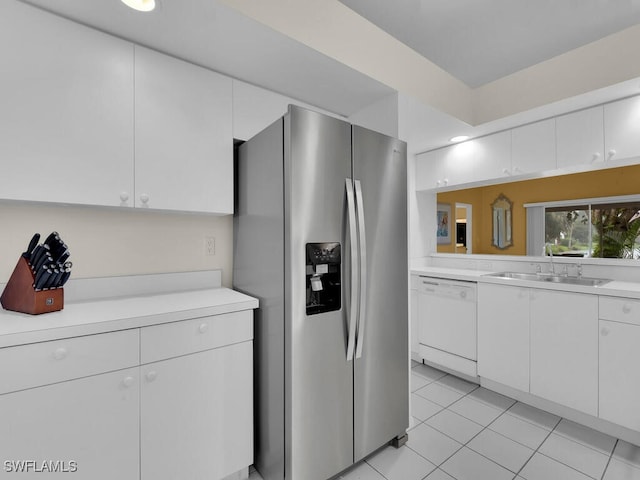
(381, 374)
(318, 378)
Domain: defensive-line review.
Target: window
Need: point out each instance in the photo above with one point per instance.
(603, 228)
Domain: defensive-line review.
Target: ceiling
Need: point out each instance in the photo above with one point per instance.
(481, 41)
(212, 35)
(344, 55)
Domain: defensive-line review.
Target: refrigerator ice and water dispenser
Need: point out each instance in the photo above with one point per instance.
(323, 277)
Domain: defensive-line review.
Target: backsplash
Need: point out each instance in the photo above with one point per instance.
(110, 242)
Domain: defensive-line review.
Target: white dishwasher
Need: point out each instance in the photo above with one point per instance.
(447, 325)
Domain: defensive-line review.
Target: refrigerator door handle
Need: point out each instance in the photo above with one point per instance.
(353, 239)
(363, 270)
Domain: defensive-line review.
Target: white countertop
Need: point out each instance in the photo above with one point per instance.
(613, 288)
(120, 313)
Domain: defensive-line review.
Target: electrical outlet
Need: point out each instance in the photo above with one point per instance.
(209, 245)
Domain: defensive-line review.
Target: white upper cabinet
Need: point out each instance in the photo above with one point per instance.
(534, 147)
(491, 156)
(622, 129)
(66, 115)
(580, 137)
(183, 142)
(472, 161)
(430, 169)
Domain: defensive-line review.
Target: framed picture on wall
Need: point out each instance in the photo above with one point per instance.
(443, 232)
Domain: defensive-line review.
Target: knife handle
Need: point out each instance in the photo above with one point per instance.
(65, 276)
(32, 245)
(51, 238)
(43, 279)
(51, 281)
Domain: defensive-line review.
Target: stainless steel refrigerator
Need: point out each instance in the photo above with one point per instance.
(320, 238)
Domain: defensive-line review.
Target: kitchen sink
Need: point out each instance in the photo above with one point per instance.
(551, 278)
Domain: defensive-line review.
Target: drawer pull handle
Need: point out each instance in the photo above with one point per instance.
(151, 376)
(605, 331)
(127, 382)
(203, 328)
(626, 308)
(60, 353)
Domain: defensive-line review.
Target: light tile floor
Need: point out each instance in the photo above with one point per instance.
(460, 431)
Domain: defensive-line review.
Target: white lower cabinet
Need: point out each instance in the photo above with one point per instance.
(620, 373)
(89, 425)
(196, 415)
(503, 335)
(564, 349)
(86, 403)
(620, 361)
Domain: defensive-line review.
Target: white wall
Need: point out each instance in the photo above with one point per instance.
(381, 116)
(110, 242)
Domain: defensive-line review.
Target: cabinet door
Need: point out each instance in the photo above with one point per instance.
(580, 137)
(620, 373)
(622, 129)
(490, 156)
(430, 167)
(503, 335)
(184, 143)
(93, 422)
(534, 147)
(196, 415)
(66, 116)
(564, 348)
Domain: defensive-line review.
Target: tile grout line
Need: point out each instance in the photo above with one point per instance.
(463, 445)
(536, 450)
(604, 472)
(506, 411)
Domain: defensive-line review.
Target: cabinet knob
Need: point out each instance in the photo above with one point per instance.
(438, 183)
(60, 353)
(127, 381)
(516, 170)
(203, 327)
(445, 181)
(463, 294)
(506, 171)
(596, 156)
(611, 153)
(604, 331)
(144, 199)
(124, 196)
(626, 308)
(151, 376)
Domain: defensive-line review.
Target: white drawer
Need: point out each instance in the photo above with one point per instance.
(181, 338)
(44, 363)
(620, 309)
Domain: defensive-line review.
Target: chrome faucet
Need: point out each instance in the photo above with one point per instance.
(547, 248)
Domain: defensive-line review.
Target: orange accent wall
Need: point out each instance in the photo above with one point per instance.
(599, 183)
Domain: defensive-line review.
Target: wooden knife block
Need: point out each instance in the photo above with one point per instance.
(20, 296)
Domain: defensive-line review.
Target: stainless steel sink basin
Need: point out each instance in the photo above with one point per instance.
(546, 277)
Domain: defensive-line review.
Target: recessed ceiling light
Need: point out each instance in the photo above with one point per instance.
(140, 5)
(459, 138)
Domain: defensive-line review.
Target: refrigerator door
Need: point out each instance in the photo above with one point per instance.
(318, 378)
(381, 373)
